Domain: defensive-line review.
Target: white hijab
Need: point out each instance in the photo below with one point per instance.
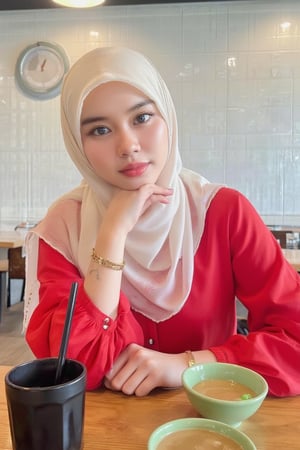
(159, 252)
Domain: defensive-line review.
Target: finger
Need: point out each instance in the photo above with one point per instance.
(146, 386)
(158, 198)
(150, 189)
(127, 376)
(128, 369)
(132, 383)
(118, 364)
(137, 377)
(132, 386)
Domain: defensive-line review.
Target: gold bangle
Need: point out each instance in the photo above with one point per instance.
(106, 262)
(191, 358)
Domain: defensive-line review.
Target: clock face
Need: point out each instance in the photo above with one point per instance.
(40, 70)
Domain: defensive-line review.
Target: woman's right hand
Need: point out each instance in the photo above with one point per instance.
(101, 284)
(126, 207)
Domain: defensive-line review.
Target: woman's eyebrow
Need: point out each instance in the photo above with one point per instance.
(141, 104)
(135, 107)
(92, 120)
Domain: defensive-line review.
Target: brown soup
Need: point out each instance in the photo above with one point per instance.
(197, 439)
(224, 389)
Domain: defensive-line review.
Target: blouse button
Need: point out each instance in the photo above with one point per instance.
(106, 323)
(151, 341)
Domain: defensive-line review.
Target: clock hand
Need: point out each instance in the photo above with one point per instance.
(43, 65)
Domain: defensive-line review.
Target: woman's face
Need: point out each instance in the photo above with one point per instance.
(124, 136)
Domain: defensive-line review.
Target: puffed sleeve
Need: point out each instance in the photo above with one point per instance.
(95, 339)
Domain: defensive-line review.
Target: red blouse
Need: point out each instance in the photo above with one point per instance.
(237, 258)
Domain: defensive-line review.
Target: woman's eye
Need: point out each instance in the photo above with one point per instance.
(100, 131)
(143, 118)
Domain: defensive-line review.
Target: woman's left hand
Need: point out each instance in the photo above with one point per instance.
(139, 370)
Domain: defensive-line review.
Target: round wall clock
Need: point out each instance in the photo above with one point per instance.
(40, 70)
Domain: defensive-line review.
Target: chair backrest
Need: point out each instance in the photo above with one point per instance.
(281, 236)
(16, 263)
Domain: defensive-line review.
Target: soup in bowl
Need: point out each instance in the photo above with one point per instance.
(225, 392)
(200, 434)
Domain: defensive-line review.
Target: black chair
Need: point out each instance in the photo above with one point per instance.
(242, 327)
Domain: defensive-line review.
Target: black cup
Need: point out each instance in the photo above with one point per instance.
(44, 415)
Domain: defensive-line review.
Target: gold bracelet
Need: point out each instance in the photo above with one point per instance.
(191, 358)
(106, 262)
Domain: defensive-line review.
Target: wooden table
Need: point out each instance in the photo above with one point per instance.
(115, 421)
(293, 257)
(11, 239)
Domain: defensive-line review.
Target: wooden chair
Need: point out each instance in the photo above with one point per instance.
(280, 235)
(16, 271)
(3, 281)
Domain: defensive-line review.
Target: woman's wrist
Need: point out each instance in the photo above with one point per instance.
(107, 262)
(190, 358)
(112, 227)
(203, 356)
(110, 244)
(197, 357)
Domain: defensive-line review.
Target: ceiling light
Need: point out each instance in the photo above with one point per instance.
(79, 3)
(285, 26)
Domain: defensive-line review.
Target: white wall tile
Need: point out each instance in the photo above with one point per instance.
(234, 74)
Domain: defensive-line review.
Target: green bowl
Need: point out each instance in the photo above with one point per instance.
(197, 423)
(227, 411)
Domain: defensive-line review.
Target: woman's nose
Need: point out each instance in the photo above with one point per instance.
(128, 144)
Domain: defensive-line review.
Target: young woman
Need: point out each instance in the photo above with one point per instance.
(160, 254)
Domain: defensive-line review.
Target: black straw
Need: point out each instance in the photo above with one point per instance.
(66, 332)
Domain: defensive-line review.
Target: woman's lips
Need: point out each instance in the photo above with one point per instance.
(135, 169)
